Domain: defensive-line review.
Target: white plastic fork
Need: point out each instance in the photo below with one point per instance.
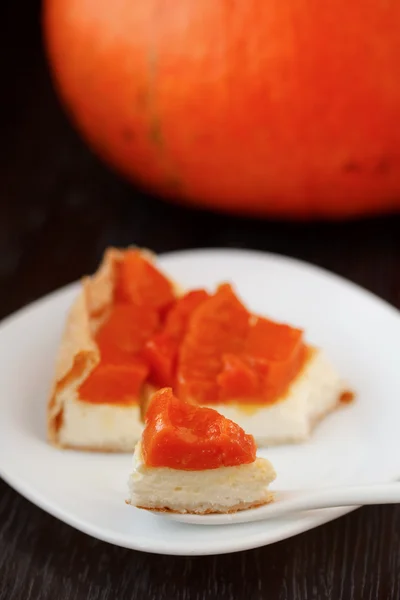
(286, 502)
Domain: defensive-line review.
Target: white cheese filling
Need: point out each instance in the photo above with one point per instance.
(108, 427)
(115, 427)
(209, 490)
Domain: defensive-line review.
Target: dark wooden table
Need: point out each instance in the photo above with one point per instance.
(59, 209)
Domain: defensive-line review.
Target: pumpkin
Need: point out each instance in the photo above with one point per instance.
(286, 108)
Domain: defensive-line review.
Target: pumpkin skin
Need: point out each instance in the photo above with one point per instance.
(265, 107)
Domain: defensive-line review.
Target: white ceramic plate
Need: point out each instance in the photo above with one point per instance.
(357, 444)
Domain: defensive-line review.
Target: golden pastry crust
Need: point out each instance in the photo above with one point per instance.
(78, 353)
(210, 511)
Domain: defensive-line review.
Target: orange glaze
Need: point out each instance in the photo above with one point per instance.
(126, 331)
(272, 356)
(210, 349)
(188, 437)
(115, 383)
(139, 282)
(121, 372)
(219, 326)
(347, 397)
(141, 294)
(161, 350)
(230, 356)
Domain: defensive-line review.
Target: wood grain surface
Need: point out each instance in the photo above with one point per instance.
(59, 208)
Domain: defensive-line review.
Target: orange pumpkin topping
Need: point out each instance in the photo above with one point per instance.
(229, 355)
(218, 327)
(161, 350)
(188, 437)
(209, 348)
(115, 383)
(139, 282)
(272, 356)
(141, 294)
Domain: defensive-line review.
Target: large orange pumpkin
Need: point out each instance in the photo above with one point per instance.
(277, 107)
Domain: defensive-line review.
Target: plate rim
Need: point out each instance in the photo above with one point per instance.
(104, 534)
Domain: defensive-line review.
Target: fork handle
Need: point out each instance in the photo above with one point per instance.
(360, 495)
